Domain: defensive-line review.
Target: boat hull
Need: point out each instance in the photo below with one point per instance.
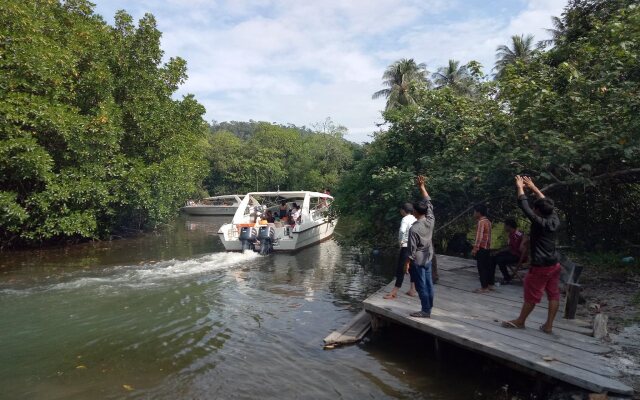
(286, 241)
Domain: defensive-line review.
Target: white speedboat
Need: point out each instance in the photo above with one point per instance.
(216, 205)
(276, 224)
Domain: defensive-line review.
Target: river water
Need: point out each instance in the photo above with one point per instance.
(170, 315)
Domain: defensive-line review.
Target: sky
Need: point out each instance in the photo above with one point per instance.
(297, 61)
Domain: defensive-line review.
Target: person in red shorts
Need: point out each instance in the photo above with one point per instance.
(544, 274)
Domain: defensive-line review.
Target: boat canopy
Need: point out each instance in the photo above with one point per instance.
(291, 194)
(305, 196)
(237, 197)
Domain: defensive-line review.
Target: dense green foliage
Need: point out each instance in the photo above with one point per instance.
(91, 140)
(569, 116)
(252, 156)
(93, 143)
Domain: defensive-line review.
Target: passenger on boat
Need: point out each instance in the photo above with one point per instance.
(284, 210)
(268, 215)
(324, 202)
(296, 215)
(292, 210)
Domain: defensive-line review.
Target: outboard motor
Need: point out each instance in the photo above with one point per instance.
(247, 237)
(265, 237)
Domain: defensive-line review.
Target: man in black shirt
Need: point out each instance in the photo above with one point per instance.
(544, 274)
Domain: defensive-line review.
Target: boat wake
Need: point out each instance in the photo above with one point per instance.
(139, 276)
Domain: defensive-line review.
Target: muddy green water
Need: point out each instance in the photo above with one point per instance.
(172, 316)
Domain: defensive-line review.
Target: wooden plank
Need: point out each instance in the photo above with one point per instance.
(478, 340)
(568, 338)
(508, 297)
(576, 356)
(470, 320)
(499, 297)
(504, 291)
(492, 313)
(353, 331)
(455, 263)
(508, 309)
(444, 300)
(511, 308)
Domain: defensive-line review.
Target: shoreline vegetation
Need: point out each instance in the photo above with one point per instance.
(94, 146)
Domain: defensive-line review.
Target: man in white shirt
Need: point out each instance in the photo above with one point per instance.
(296, 214)
(403, 235)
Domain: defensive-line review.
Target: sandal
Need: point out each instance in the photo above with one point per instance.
(412, 294)
(511, 325)
(389, 296)
(543, 329)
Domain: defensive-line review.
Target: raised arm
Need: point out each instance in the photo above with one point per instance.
(425, 195)
(520, 185)
(523, 203)
(421, 185)
(528, 182)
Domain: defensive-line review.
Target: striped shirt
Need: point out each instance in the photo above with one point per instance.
(483, 234)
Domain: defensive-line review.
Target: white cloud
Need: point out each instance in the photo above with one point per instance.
(299, 62)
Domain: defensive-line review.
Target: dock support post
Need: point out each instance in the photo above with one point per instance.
(437, 348)
(376, 322)
(573, 297)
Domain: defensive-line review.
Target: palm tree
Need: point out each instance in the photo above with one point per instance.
(402, 78)
(557, 32)
(454, 76)
(522, 50)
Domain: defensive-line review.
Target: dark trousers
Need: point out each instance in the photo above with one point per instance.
(502, 259)
(421, 275)
(403, 256)
(486, 270)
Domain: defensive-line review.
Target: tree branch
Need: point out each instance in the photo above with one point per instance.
(597, 178)
(466, 210)
(544, 189)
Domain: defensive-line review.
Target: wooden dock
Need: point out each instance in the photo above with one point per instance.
(473, 320)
